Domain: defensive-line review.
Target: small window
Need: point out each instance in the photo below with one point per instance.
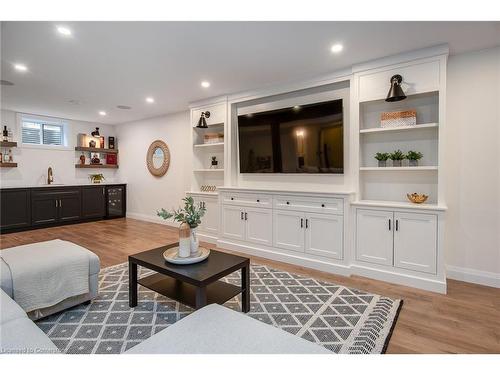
(39, 132)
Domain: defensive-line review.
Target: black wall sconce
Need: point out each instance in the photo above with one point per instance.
(202, 123)
(396, 93)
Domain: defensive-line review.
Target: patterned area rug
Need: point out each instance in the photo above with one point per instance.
(341, 319)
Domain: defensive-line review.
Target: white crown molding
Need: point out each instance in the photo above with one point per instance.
(423, 53)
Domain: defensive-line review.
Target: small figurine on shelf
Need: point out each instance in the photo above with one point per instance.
(92, 143)
(95, 133)
(215, 163)
(5, 134)
(82, 159)
(111, 143)
(101, 142)
(11, 158)
(95, 159)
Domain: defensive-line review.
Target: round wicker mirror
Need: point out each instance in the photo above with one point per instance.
(158, 158)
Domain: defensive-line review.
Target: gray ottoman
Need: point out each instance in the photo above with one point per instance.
(215, 329)
(37, 250)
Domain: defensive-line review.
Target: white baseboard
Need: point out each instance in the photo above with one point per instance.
(152, 219)
(436, 286)
(473, 276)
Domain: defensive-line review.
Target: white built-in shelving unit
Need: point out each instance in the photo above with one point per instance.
(203, 174)
(390, 184)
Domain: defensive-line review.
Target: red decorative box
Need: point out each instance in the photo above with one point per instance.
(111, 159)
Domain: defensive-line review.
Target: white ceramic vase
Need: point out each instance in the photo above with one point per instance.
(195, 242)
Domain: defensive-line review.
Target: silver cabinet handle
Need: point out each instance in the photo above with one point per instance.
(397, 225)
(389, 225)
(246, 216)
(307, 223)
(56, 202)
(302, 223)
(103, 191)
(60, 202)
(241, 215)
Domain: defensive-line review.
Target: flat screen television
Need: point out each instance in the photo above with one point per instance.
(300, 139)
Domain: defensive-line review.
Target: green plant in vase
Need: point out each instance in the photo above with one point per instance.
(397, 157)
(190, 214)
(382, 158)
(413, 157)
(96, 178)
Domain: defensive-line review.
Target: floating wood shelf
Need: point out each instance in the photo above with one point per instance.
(8, 165)
(95, 149)
(8, 144)
(400, 128)
(113, 166)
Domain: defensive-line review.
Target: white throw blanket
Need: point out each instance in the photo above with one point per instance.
(46, 273)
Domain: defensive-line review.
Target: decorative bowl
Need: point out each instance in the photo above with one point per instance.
(417, 198)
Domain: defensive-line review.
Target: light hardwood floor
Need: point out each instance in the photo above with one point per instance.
(466, 320)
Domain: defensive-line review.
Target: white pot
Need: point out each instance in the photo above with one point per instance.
(195, 242)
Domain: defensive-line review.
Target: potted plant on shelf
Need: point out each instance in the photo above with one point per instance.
(397, 157)
(96, 178)
(382, 158)
(190, 217)
(413, 158)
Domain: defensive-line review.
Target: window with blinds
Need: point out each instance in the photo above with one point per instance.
(38, 132)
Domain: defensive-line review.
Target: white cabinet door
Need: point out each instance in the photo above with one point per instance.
(415, 242)
(259, 226)
(288, 230)
(374, 236)
(324, 235)
(210, 221)
(233, 223)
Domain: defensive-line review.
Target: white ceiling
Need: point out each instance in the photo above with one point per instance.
(105, 64)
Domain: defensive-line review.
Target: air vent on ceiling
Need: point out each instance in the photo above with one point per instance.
(123, 107)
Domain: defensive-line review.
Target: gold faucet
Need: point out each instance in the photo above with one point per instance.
(50, 176)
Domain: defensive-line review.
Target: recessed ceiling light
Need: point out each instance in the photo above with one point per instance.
(205, 84)
(63, 30)
(150, 99)
(102, 113)
(20, 67)
(336, 48)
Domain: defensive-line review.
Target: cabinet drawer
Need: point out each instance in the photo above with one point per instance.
(247, 200)
(319, 205)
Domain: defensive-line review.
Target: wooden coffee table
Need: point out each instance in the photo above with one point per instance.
(195, 285)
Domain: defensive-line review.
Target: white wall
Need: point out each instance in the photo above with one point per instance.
(33, 162)
(473, 167)
(145, 192)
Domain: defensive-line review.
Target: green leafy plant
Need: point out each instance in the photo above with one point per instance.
(98, 177)
(190, 213)
(397, 155)
(382, 156)
(414, 155)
